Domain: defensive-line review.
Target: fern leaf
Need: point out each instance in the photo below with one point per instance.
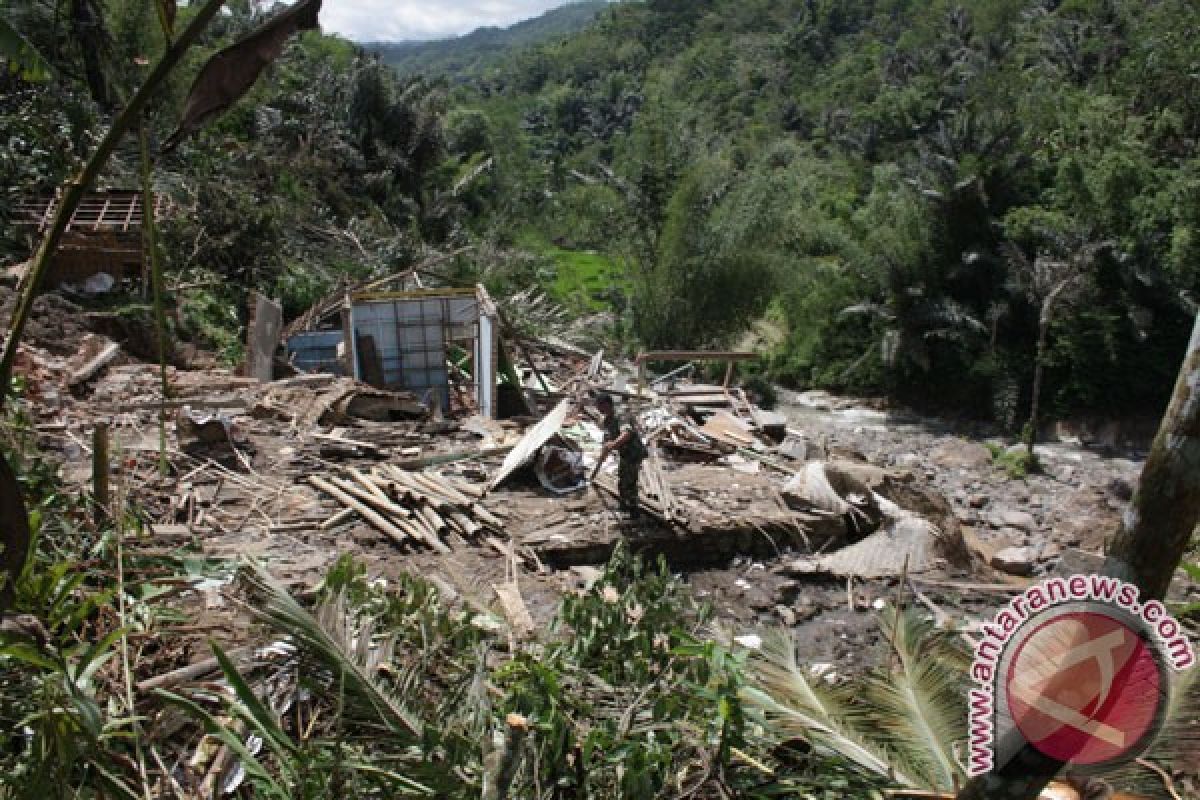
(344, 646)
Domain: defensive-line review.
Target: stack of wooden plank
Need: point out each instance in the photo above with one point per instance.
(410, 508)
(685, 442)
(655, 487)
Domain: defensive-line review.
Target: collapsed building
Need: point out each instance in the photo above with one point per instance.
(399, 411)
(104, 237)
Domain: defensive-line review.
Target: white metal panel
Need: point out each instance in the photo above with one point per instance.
(484, 379)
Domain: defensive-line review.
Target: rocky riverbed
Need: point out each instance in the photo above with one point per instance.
(1074, 502)
(1018, 528)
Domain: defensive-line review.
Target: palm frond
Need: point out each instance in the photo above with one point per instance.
(798, 705)
(341, 643)
(918, 702)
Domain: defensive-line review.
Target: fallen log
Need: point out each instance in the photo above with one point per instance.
(176, 677)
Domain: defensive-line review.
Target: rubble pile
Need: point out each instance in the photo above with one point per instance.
(296, 470)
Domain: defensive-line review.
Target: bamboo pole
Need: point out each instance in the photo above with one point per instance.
(487, 517)
(380, 504)
(150, 237)
(448, 489)
(366, 512)
(338, 519)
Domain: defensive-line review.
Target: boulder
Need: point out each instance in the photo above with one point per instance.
(960, 454)
(1015, 560)
(1021, 520)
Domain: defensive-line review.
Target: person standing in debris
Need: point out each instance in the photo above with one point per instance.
(621, 436)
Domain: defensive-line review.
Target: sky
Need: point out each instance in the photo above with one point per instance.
(399, 20)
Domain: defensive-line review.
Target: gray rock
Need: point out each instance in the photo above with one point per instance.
(795, 448)
(960, 454)
(1021, 520)
(1079, 562)
(1050, 551)
(786, 615)
(1011, 535)
(977, 500)
(1015, 560)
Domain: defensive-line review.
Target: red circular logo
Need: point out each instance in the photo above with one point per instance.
(1085, 688)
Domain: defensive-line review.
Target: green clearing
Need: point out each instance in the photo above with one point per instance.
(583, 280)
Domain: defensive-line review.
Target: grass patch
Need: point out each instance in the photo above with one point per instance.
(1018, 463)
(584, 280)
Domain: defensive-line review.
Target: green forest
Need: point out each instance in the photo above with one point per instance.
(877, 196)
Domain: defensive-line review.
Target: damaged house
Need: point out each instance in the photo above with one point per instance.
(104, 237)
(441, 345)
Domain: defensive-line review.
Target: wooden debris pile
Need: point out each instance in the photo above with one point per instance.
(413, 509)
(683, 441)
(309, 400)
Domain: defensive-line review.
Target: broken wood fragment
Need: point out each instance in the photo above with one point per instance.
(102, 359)
(177, 677)
(515, 610)
(338, 519)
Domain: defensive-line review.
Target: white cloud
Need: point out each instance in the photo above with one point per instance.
(399, 20)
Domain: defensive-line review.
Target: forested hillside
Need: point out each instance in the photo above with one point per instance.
(881, 197)
(461, 57)
(888, 191)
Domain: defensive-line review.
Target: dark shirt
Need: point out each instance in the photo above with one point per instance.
(633, 449)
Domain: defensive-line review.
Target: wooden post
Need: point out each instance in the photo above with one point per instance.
(14, 533)
(728, 374)
(100, 493)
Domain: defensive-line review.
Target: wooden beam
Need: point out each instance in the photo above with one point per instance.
(694, 355)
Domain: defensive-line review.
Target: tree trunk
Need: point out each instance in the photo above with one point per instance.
(1038, 365)
(1157, 527)
(87, 27)
(1145, 551)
